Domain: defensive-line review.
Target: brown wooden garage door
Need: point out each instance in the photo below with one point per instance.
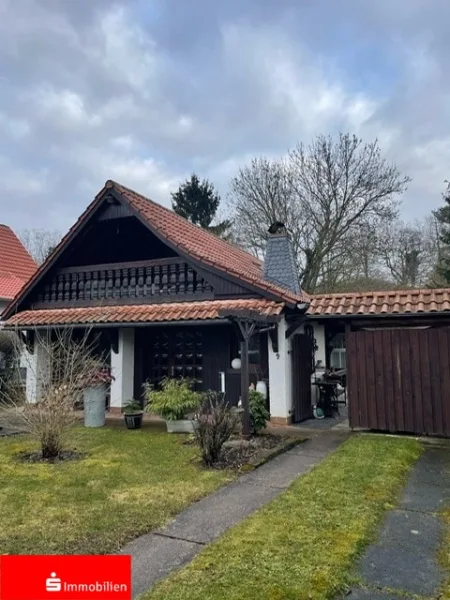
(399, 380)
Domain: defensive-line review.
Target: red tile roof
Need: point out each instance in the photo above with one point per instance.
(381, 303)
(144, 313)
(202, 245)
(16, 265)
(193, 240)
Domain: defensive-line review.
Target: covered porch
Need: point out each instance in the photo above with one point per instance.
(146, 343)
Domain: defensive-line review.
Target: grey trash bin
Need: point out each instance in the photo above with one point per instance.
(94, 406)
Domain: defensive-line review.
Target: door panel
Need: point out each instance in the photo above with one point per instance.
(301, 377)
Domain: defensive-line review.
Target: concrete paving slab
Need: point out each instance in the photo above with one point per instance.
(207, 519)
(403, 570)
(436, 459)
(324, 442)
(282, 470)
(311, 452)
(154, 557)
(424, 497)
(424, 475)
(411, 531)
(405, 558)
(365, 594)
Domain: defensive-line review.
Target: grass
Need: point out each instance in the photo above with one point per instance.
(303, 545)
(445, 553)
(130, 483)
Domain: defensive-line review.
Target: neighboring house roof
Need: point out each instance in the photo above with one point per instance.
(405, 302)
(144, 313)
(190, 239)
(16, 265)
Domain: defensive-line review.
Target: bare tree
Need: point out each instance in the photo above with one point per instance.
(409, 252)
(40, 242)
(68, 366)
(262, 193)
(322, 192)
(354, 263)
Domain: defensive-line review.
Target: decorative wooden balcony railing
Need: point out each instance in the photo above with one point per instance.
(143, 281)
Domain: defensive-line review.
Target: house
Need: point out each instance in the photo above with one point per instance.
(166, 298)
(16, 266)
(163, 297)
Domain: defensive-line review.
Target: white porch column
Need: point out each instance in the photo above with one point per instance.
(280, 378)
(122, 368)
(319, 336)
(37, 364)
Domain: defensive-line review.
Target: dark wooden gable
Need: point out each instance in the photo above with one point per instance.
(114, 257)
(114, 235)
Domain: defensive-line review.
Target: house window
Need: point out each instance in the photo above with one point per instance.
(337, 356)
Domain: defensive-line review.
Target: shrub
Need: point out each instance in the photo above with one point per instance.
(174, 400)
(69, 367)
(132, 406)
(216, 421)
(11, 380)
(258, 411)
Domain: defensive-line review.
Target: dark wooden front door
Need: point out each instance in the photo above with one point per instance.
(301, 377)
(174, 352)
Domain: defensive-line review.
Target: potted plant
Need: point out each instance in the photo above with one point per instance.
(173, 401)
(94, 387)
(133, 413)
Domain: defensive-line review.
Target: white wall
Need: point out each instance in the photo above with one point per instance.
(280, 377)
(280, 371)
(319, 336)
(122, 369)
(37, 364)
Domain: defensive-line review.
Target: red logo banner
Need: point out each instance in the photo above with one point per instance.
(65, 577)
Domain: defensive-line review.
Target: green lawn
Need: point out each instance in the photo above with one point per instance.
(130, 483)
(445, 554)
(303, 545)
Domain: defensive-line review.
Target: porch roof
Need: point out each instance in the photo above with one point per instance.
(143, 313)
(396, 302)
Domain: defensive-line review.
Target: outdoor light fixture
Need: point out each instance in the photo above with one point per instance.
(236, 364)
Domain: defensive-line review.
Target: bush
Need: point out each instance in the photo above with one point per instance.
(11, 383)
(258, 411)
(132, 407)
(69, 367)
(174, 400)
(216, 422)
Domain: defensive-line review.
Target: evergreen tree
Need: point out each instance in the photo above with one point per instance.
(197, 201)
(443, 217)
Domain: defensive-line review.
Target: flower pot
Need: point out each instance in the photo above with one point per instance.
(180, 426)
(94, 401)
(133, 420)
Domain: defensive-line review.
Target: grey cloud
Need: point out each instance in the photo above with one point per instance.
(147, 92)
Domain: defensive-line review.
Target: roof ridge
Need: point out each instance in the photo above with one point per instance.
(119, 186)
(379, 292)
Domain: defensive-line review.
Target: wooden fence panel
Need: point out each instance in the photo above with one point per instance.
(399, 380)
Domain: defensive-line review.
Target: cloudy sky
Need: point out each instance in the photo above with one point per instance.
(147, 91)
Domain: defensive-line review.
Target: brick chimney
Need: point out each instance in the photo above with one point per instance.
(279, 262)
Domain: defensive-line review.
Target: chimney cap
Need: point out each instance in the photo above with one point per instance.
(277, 227)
